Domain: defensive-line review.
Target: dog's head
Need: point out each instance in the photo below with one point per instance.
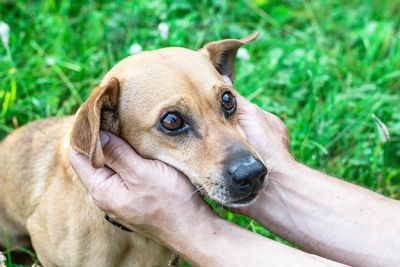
(177, 105)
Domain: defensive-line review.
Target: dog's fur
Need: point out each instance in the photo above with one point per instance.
(44, 202)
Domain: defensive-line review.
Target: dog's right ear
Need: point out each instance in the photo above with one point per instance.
(99, 112)
(222, 54)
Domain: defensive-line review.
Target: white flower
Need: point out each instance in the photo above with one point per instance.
(5, 34)
(242, 53)
(135, 48)
(163, 28)
(383, 130)
(2, 259)
(50, 61)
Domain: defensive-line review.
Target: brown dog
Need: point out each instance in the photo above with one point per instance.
(170, 104)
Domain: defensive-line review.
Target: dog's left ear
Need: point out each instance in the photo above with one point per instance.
(99, 112)
(223, 53)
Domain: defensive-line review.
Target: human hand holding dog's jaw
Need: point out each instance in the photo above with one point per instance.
(156, 201)
(147, 196)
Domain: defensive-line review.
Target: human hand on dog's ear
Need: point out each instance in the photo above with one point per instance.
(147, 196)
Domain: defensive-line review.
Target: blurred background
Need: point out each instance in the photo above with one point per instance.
(330, 69)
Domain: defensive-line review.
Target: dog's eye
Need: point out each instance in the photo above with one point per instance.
(228, 102)
(172, 121)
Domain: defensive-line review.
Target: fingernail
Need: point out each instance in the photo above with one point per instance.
(104, 138)
(227, 80)
(76, 114)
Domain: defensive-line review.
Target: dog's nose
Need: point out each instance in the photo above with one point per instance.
(248, 173)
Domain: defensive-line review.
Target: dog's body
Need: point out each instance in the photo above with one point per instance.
(43, 198)
(43, 201)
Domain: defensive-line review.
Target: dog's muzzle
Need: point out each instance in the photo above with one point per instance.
(244, 175)
(247, 174)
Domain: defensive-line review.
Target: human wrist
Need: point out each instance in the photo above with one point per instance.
(192, 236)
(211, 244)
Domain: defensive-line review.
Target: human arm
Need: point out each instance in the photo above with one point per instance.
(316, 212)
(151, 198)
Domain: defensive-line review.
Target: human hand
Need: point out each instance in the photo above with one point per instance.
(266, 133)
(269, 136)
(147, 196)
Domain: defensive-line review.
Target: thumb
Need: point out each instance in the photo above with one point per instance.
(121, 157)
(243, 104)
(90, 177)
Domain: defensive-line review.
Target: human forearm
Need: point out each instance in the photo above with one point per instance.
(211, 241)
(330, 217)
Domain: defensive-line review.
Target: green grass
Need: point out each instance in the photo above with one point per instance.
(324, 67)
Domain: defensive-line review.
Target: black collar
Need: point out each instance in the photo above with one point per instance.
(120, 226)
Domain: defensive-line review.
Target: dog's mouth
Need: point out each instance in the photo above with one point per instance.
(242, 201)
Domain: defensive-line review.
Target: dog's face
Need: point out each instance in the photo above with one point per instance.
(173, 105)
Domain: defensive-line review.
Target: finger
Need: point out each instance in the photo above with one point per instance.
(239, 96)
(244, 105)
(122, 158)
(227, 80)
(90, 177)
(104, 185)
